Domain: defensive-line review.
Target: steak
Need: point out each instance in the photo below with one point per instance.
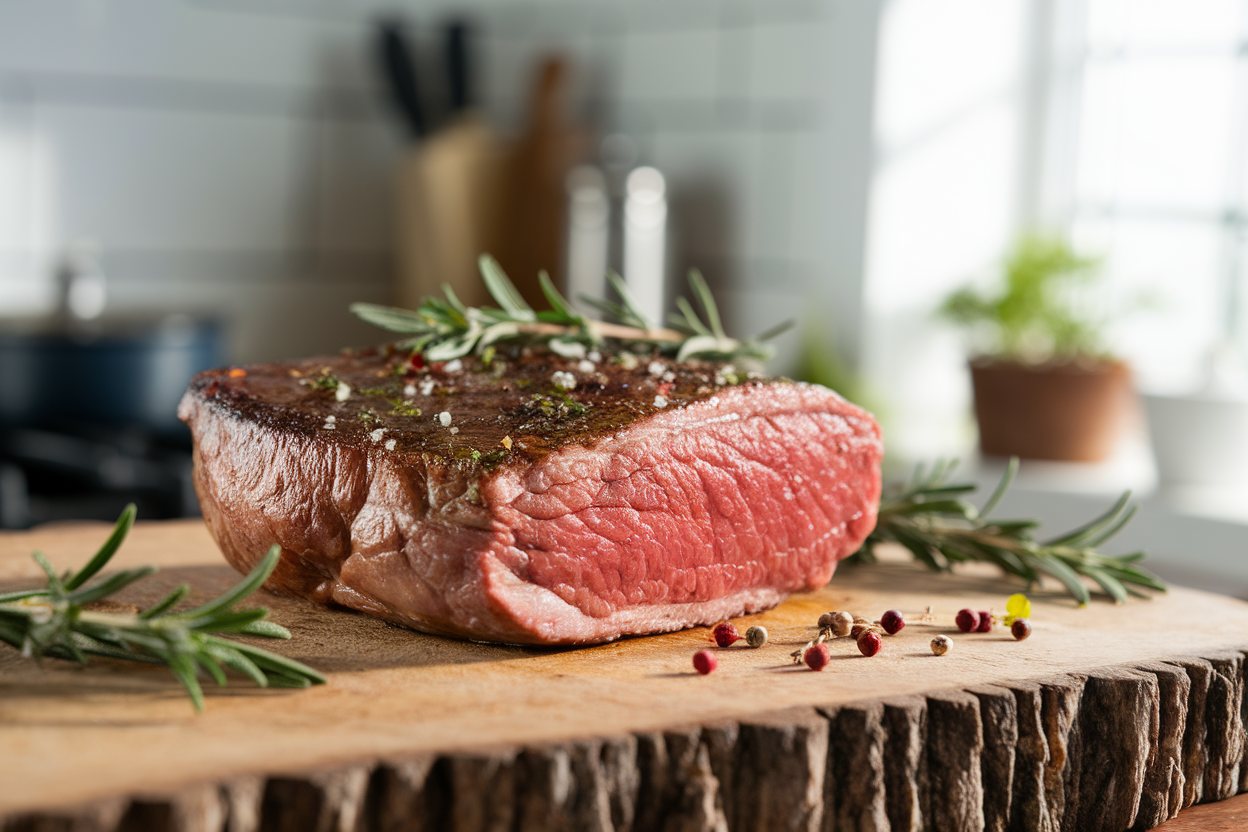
(528, 497)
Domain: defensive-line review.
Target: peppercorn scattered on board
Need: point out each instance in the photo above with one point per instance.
(1106, 717)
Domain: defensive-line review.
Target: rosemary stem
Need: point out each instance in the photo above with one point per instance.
(56, 622)
(604, 329)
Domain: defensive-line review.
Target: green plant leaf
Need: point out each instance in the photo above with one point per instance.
(120, 529)
(503, 290)
(390, 318)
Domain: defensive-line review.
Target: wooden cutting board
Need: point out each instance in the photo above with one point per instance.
(1109, 717)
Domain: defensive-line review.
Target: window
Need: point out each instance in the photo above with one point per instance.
(1156, 132)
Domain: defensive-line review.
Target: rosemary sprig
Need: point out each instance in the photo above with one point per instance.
(56, 621)
(444, 328)
(940, 528)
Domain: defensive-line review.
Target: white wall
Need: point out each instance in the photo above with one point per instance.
(229, 159)
(758, 113)
(236, 156)
(948, 195)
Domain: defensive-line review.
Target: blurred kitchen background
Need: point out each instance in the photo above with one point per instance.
(190, 183)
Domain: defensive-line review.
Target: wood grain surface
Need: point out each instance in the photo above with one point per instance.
(1108, 717)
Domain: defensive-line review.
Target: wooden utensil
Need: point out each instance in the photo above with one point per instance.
(452, 194)
(532, 235)
(450, 209)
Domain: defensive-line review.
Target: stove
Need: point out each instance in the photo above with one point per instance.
(90, 472)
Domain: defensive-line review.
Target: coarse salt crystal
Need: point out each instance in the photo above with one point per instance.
(660, 401)
(331, 418)
(568, 349)
(594, 356)
(453, 366)
(669, 376)
(426, 387)
(454, 431)
(409, 390)
(343, 392)
(657, 368)
(586, 366)
(562, 380)
(445, 418)
(390, 443)
(377, 434)
(627, 360)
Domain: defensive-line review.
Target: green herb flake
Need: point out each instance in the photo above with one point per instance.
(558, 405)
(402, 407)
(324, 382)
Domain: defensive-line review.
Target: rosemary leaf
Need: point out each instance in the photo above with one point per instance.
(689, 319)
(167, 602)
(248, 585)
(444, 329)
(930, 519)
(703, 292)
(106, 552)
(390, 318)
(630, 310)
(503, 290)
(54, 622)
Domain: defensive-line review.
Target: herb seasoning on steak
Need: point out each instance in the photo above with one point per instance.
(532, 497)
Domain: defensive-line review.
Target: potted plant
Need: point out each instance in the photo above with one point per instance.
(1045, 385)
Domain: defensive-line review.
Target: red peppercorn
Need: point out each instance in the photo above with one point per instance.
(870, 643)
(817, 656)
(725, 634)
(704, 661)
(967, 620)
(417, 361)
(892, 621)
(1020, 629)
(985, 622)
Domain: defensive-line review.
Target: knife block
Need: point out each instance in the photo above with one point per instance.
(451, 209)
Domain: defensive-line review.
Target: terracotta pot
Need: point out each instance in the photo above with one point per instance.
(1072, 411)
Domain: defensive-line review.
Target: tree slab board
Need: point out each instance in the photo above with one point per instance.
(1108, 717)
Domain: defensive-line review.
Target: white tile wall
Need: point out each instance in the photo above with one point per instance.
(222, 155)
(142, 178)
(661, 66)
(243, 43)
(236, 156)
(809, 231)
(784, 61)
(354, 194)
(16, 166)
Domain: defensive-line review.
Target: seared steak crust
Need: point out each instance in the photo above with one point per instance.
(484, 500)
